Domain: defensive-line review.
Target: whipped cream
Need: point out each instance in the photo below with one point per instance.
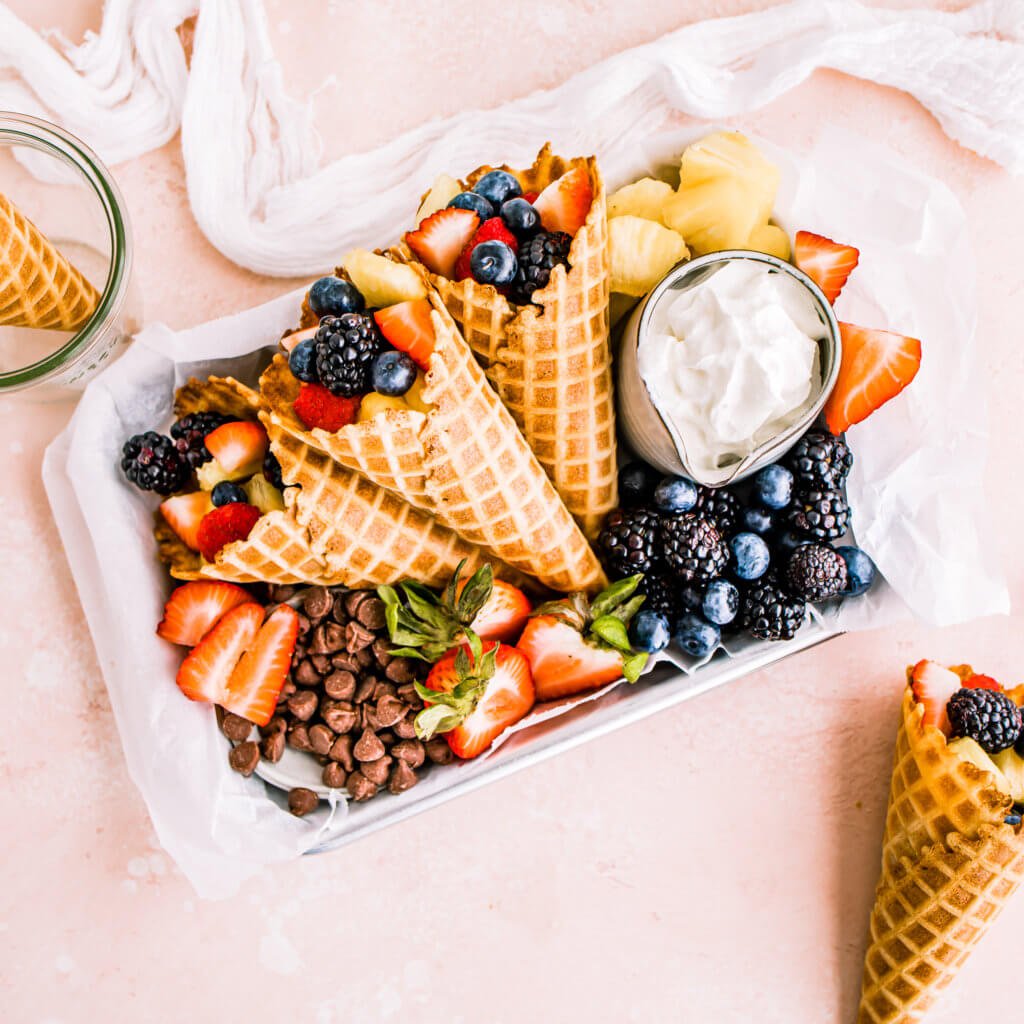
(732, 362)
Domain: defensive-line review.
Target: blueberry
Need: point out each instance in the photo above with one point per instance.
(650, 631)
(1012, 819)
(773, 486)
(675, 494)
(787, 543)
(497, 186)
(520, 217)
(493, 262)
(331, 296)
(393, 373)
(227, 493)
(721, 602)
(636, 484)
(860, 571)
(302, 361)
(471, 201)
(757, 520)
(750, 556)
(697, 637)
(691, 597)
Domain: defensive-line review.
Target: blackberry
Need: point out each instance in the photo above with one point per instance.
(662, 594)
(190, 432)
(630, 541)
(536, 259)
(272, 470)
(823, 514)
(152, 462)
(986, 716)
(346, 347)
(820, 460)
(816, 572)
(719, 505)
(694, 548)
(770, 612)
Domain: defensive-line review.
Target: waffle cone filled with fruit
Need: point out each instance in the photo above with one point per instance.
(546, 348)
(953, 852)
(38, 286)
(458, 457)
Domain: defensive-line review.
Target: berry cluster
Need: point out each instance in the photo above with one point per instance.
(747, 557)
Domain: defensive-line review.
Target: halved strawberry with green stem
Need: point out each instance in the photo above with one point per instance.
(194, 608)
(256, 681)
(473, 694)
(205, 672)
(575, 645)
(828, 264)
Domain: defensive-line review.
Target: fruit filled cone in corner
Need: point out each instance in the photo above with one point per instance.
(543, 339)
(953, 851)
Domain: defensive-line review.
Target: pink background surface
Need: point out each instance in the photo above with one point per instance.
(713, 864)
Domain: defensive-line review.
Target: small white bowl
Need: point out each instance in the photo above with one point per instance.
(645, 430)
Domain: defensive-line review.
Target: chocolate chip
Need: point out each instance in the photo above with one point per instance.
(278, 593)
(371, 613)
(368, 747)
(377, 771)
(346, 662)
(438, 751)
(276, 725)
(321, 738)
(390, 710)
(382, 651)
(364, 658)
(386, 737)
(235, 727)
(402, 778)
(318, 641)
(400, 670)
(304, 624)
(364, 691)
(357, 638)
(298, 737)
(334, 637)
(339, 715)
(317, 602)
(412, 752)
(301, 801)
(321, 662)
(384, 689)
(367, 718)
(360, 787)
(342, 752)
(244, 758)
(410, 696)
(334, 775)
(303, 705)
(306, 674)
(287, 690)
(406, 728)
(338, 612)
(340, 685)
(272, 746)
(353, 599)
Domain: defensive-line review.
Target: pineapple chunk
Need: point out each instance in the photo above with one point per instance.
(374, 404)
(263, 494)
(969, 750)
(414, 396)
(644, 198)
(1010, 763)
(732, 155)
(642, 253)
(713, 215)
(382, 282)
(770, 238)
(442, 192)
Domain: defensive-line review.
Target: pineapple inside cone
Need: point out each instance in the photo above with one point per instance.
(950, 863)
(39, 287)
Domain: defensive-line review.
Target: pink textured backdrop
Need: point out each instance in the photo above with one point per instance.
(714, 864)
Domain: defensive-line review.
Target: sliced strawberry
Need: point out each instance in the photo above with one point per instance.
(206, 669)
(225, 525)
(563, 662)
(408, 326)
(256, 681)
(565, 203)
(876, 366)
(289, 341)
(531, 197)
(317, 407)
(828, 264)
(237, 446)
(184, 513)
(933, 685)
(977, 682)
(194, 608)
(492, 230)
(503, 615)
(440, 238)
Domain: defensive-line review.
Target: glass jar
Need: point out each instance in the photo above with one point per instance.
(72, 199)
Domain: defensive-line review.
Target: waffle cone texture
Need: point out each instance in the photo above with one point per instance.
(464, 463)
(551, 361)
(337, 528)
(38, 286)
(949, 865)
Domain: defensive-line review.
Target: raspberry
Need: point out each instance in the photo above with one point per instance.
(317, 407)
(224, 525)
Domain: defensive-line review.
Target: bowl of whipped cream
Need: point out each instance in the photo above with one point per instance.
(725, 364)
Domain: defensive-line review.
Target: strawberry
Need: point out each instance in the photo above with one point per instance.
(256, 681)
(237, 446)
(828, 264)
(473, 695)
(876, 366)
(317, 407)
(409, 327)
(976, 682)
(492, 230)
(440, 238)
(205, 672)
(531, 197)
(574, 645)
(184, 513)
(225, 525)
(194, 608)
(503, 615)
(565, 203)
(933, 685)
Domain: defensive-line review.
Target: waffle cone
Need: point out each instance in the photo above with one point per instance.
(38, 286)
(949, 865)
(465, 463)
(551, 361)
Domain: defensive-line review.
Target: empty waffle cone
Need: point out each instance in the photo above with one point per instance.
(551, 361)
(465, 463)
(38, 286)
(949, 865)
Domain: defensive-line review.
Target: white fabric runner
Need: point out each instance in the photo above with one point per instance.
(260, 194)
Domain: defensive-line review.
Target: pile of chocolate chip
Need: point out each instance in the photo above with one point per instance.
(348, 701)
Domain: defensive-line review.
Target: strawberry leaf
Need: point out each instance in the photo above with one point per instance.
(608, 600)
(633, 666)
(437, 718)
(475, 594)
(612, 631)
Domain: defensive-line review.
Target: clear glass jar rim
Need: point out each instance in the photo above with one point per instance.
(24, 130)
